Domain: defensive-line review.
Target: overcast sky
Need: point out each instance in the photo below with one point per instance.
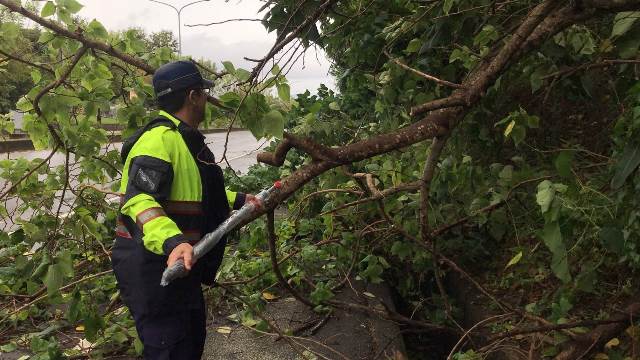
(231, 41)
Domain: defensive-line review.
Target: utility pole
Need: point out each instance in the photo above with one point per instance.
(179, 12)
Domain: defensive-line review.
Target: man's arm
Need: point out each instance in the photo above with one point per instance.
(236, 199)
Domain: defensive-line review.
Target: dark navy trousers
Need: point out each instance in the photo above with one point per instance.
(171, 320)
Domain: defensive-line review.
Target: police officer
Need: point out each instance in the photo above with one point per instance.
(173, 194)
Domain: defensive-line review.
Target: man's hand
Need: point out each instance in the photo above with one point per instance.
(255, 201)
(183, 251)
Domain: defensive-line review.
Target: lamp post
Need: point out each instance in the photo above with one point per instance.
(179, 11)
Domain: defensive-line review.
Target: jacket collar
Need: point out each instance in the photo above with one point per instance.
(174, 119)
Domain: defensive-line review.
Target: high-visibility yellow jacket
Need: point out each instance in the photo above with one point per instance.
(164, 180)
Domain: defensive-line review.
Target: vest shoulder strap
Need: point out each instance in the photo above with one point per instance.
(128, 143)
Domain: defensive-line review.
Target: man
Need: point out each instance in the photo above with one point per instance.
(173, 194)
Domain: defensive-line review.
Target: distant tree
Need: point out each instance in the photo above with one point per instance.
(15, 76)
(160, 39)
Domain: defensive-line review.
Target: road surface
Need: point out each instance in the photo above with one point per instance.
(241, 154)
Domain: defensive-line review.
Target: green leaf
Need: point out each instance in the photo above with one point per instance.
(228, 65)
(514, 260)
(230, 99)
(586, 280)
(536, 81)
(64, 15)
(334, 106)
(401, 249)
(242, 74)
(251, 113)
(284, 91)
(10, 31)
(414, 46)
(138, 346)
(509, 128)
(71, 5)
(48, 9)
(93, 322)
(563, 164)
(518, 134)
(533, 122)
(545, 195)
(36, 76)
(46, 36)
(42, 267)
(552, 238)
(628, 162)
(7, 348)
(612, 239)
(274, 124)
(487, 35)
(628, 45)
(74, 311)
(96, 30)
(53, 279)
(65, 260)
(321, 293)
(448, 4)
(623, 22)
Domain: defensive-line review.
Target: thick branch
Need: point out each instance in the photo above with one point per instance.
(480, 81)
(587, 343)
(448, 102)
(554, 327)
(316, 151)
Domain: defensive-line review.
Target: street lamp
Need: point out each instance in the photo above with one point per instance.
(178, 11)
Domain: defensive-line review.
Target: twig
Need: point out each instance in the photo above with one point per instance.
(309, 21)
(61, 289)
(30, 172)
(222, 22)
(274, 261)
(547, 328)
(261, 316)
(424, 75)
(412, 186)
(480, 323)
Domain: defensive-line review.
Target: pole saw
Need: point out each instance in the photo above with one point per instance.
(210, 240)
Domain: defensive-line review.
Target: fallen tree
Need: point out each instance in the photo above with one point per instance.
(422, 87)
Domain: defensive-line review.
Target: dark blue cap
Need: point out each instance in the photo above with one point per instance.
(178, 75)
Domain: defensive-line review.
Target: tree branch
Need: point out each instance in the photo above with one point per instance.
(54, 84)
(57, 28)
(309, 21)
(274, 261)
(26, 62)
